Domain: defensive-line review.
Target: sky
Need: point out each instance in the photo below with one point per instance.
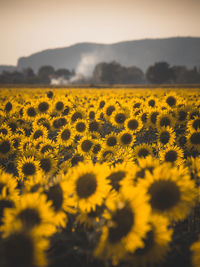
(29, 26)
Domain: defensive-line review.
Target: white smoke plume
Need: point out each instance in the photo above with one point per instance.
(83, 70)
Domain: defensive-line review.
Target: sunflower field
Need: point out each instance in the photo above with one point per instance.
(99, 177)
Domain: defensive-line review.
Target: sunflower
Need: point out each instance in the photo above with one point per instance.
(111, 140)
(9, 106)
(142, 151)
(181, 115)
(117, 174)
(32, 212)
(107, 155)
(42, 119)
(5, 129)
(24, 249)
(58, 105)
(171, 99)
(39, 131)
(94, 127)
(65, 136)
(172, 193)
(88, 185)
(165, 119)
(77, 113)
(58, 122)
(27, 166)
(8, 185)
(48, 163)
(181, 140)
(194, 124)
(166, 136)
(153, 116)
(193, 140)
(47, 146)
(80, 127)
(126, 138)
(29, 112)
(43, 105)
(119, 117)
(6, 146)
(97, 147)
(108, 109)
(172, 154)
(156, 243)
(127, 220)
(151, 101)
(133, 124)
(195, 249)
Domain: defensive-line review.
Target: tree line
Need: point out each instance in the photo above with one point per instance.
(107, 73)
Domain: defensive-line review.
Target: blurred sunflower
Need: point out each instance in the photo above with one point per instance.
(172, 192)
(195, 249)
(38, 132)
(142, 151)
(80, 127)
(127, 220)
(156, 243)
(48, 163)
(6, 146)
(24, 249)
(29, 112)
(85, 146)
(111, 140)
(119, 117)
(126, 138)
(165, 119)
(194, 124)
(43, 105)
(65, 136)
(193, 140)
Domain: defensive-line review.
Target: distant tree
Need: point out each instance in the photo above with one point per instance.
(65, 73)
(44, 74)
(29, 76)
(160, 72)
(113, 72)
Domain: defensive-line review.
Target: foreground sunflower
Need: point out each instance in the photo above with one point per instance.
(127, 223)
(32, 212)
(172, 192)
(89, 185)
(195, 249)
(156, 244)
(24, 249)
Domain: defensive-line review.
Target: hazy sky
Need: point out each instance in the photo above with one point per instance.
(29, 26)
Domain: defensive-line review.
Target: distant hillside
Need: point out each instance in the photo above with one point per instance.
(140, 53)
(7, 68)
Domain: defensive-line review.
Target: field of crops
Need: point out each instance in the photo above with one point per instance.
(99, 177)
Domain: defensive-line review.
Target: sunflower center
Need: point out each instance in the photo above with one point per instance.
(65, 135)
(143, 152)
(29, 217)
(45, 164)
(195, 138)
(164, 137)
(4, 147)
(102, 104)
(196, 124)
(164, 194)
(37, 134)
(96, 148)
(19, 250)
(8, 107)
(92, 115)
(29, 168)
(4, 204)
(77, 115)
(133, 124)
(59, 106)
(144, 117)
(115, 178)
(43, 106)
(80, 127)
(171, 101)
(111, 141)
(31, 112)
(55, 194)
(123, 220)
(86, 185)
(182, 115)
(93, 126)
(120, 118)
(86, 145)
(126, 138)
(50, 94)
(110, 110)
(154, 117)
(165, 121)
(171, 156)
(152, 103)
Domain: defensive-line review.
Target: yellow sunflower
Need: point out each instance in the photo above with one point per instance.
(195, 249)
(172, 154)
(166, 136)
(27, 166)
(172, 192)
(142, 151)
(89, 185)
(6, 146)
(65, 136)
